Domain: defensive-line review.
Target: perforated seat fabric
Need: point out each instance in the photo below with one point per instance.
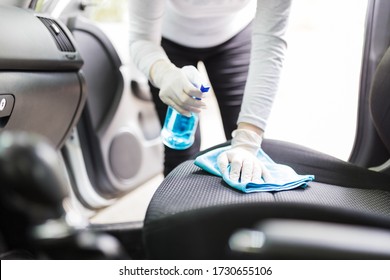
(193, 213)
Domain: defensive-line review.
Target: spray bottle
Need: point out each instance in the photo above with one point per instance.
(178, 131)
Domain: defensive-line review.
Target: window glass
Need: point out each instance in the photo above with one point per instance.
(317, 101)
(316, 105)
(109, 10)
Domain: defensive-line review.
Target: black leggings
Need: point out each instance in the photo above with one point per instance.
(227, 67)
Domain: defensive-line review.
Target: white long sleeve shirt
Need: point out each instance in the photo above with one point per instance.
(207, 23)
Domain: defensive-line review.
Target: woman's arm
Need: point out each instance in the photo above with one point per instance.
(145, 33)
(267, 54)
(177, 85)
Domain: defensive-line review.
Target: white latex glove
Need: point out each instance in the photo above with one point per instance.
(179, 87)
(244, 165)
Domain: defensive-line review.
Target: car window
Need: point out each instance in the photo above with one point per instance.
(317, 102)
(316, 105)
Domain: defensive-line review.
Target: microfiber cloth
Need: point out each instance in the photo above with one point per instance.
(283, 176)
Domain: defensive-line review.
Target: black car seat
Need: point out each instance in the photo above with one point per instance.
(193, 214)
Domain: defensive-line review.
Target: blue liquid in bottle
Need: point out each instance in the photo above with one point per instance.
(178, 131)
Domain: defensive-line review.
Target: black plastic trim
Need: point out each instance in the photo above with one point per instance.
(26, 44)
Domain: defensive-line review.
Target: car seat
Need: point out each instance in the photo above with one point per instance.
(193, 214)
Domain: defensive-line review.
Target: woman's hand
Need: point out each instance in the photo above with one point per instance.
(242, 157)
(179, 87)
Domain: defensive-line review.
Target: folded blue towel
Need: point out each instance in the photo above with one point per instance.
(283, 176)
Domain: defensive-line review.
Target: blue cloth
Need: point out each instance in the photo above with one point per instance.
(283, 176)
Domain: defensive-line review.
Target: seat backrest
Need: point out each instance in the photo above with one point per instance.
(368, 149)
(380, 99)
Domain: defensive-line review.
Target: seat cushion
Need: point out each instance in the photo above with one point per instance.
(192, 214)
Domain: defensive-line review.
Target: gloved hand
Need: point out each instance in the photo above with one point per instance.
(244, 164)
(179, 87)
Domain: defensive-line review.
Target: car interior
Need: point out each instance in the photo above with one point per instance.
(78, 130)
